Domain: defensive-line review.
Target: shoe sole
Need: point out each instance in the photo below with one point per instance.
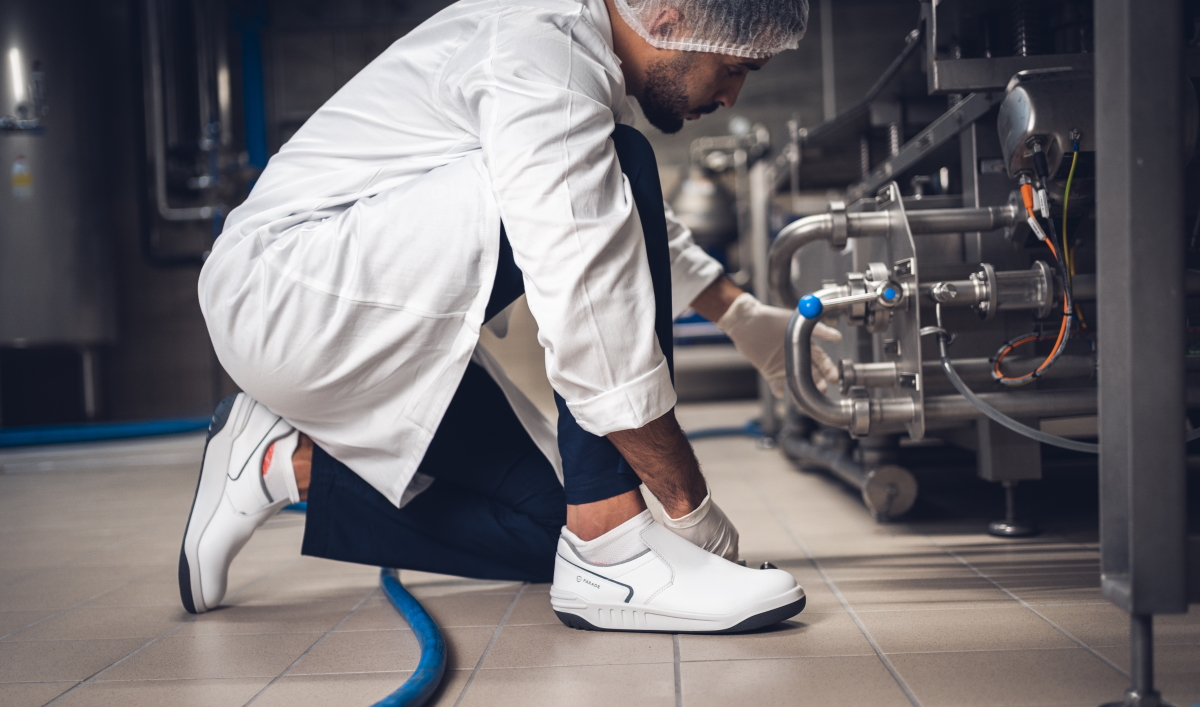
(756, 621)
(210, 487)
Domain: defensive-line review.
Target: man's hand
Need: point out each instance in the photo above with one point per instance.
(663, 459)
(707, 527)
(759, 332)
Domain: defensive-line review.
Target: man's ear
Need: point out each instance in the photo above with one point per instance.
(666, 23)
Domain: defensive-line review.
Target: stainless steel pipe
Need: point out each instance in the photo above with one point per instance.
(888, 491)
(157, 136)
(975, 370)
(883, 415)
(859, 415)
(798, 360)
(835, 228)
(979, 370)
(1031, 404)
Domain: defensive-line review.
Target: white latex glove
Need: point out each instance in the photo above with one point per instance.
(707, 528)
(759, 332)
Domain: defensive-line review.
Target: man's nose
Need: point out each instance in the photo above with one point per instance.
(727, 97)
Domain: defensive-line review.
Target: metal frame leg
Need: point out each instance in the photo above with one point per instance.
(1140, 255)
(761, 180)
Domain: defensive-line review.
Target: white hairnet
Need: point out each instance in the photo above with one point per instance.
(754, 29)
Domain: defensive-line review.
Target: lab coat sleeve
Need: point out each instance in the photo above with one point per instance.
(542, 106)
(692, 270)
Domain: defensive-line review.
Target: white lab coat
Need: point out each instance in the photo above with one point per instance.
(348, 291)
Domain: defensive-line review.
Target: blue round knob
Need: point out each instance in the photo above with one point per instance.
(889, 294)
(810, 306)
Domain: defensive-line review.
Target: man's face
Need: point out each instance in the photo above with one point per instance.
(687, 85)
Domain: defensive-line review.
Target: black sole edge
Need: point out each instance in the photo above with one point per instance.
(185, 584)
(767, 618)
(219, 418)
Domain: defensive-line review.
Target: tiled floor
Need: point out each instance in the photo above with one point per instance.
(931, 613)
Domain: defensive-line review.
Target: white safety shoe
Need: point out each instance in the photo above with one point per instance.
(233, 497)
(672, 587)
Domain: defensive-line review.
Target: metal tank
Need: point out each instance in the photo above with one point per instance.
(55, 272)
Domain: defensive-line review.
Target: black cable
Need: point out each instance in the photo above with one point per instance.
(1000, 418)
(1004, 420)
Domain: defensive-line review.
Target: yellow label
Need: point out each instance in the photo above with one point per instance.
(22, 179)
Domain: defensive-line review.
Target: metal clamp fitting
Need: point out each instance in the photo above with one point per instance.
(860, 412)
(840, 234)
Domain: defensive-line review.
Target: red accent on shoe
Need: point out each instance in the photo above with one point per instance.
(267, 458)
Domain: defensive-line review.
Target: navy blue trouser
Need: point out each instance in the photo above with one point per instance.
(496, 507)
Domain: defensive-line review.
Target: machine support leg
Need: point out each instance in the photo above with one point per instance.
(1140, 245)
(1141, 640)
(1141, 662)
(1011, 526)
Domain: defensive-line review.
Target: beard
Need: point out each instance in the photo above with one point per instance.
(665, 101)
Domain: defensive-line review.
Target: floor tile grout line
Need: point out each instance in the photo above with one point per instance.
(68, 563)
(829, 656)
(91, 678)
(678, 672)
(121, 586)
(887, 663)
(81, 603)
(495, 635)
(315, 643)
(1028, 606)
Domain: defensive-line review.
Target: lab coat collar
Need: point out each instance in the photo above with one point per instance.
(599, 12)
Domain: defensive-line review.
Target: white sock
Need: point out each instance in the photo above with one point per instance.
(622, 543)
(278, 474)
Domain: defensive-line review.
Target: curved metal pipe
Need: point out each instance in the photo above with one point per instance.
(158, 140)
(790, 240)
(798, 359)
(835, 228)
(814, 403)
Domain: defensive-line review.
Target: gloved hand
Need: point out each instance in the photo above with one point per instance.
(707, 528)
(759, 332)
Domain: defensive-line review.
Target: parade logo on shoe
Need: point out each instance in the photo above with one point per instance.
(579, 578)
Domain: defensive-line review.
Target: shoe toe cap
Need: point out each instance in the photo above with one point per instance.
(775, 582)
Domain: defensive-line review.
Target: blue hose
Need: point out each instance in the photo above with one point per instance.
(421, 685)
(750, 429)
(94, 432)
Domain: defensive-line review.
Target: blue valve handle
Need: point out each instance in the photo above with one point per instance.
(810, 306)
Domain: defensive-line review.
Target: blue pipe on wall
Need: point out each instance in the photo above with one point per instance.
(94, 432)
(250, 22)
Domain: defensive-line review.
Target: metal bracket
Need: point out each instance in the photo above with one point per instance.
(906, 316)
(940, 131)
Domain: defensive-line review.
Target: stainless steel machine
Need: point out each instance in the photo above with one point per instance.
(1046, 302)
(56, 280)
